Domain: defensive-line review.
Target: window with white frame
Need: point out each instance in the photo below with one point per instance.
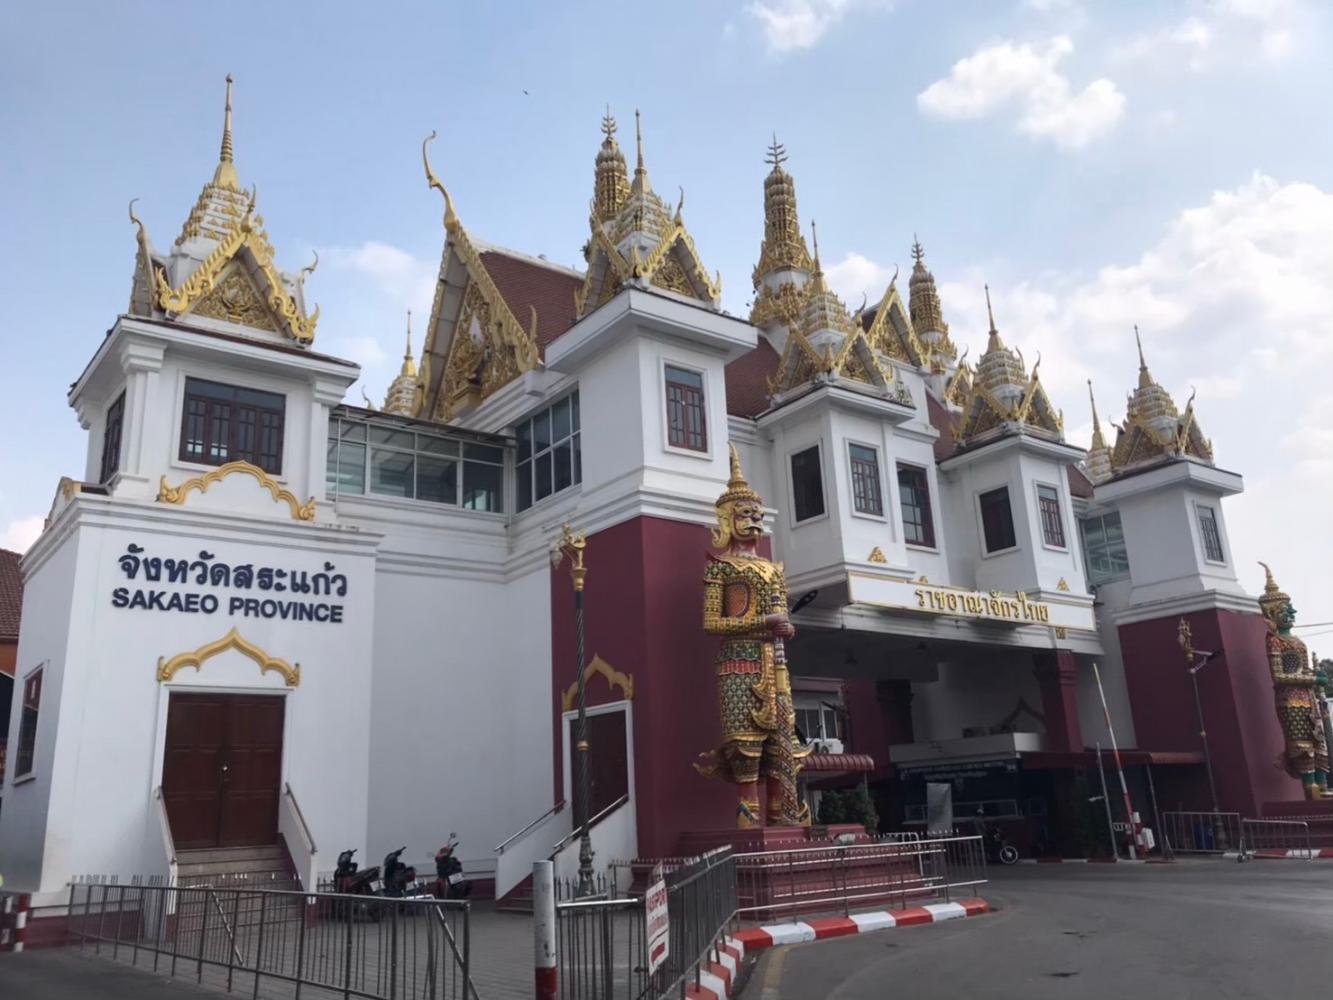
(550, 458)
(914, 498)
(867, 497)
(997, 520)
(818, 720)
(807, 484)
(1210, 533)
(26, 752)
(1104, 547)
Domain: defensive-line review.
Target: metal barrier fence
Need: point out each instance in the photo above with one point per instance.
(602, 947)
(1288, 836)
(1200, 832)
(279, 943)
(844, 877)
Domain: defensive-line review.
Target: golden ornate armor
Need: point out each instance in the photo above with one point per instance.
(1298, 709)
(745, 602)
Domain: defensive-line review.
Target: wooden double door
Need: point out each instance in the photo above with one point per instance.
(222, 769)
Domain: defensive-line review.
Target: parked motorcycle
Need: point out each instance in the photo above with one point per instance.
(449, 880)
(348, 880)
(399, 879)
(998, 850)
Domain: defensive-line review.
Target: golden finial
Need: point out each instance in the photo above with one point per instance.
(1145, 379)
(409, 363)
(814, 238)
(226, 171)
(777, 154)
(737, 479)
(450, 218)
(918, 251)
(609, 125)
(639, 168)
(1097, 440)
(993, 342)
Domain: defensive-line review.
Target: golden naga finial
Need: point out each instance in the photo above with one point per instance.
(680, 205)
(571, 545)
(450, 217)
(309, 269)
(777, 154)
(226, 171)
(143, 233)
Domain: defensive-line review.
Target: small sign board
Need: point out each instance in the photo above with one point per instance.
(656, 922)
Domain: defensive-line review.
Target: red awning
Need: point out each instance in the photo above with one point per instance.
(1039, 759)
(840, 762)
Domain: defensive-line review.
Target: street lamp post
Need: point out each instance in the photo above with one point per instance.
(571, 547)
(1184, 636)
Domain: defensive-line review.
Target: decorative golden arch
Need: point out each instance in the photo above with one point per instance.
(614, 678)
(167, 669)
(177, 494)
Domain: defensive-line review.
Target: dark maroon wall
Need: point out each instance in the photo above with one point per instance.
(1237, 695)
(644, 616)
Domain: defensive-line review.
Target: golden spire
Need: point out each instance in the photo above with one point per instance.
(409, 365)
(611, 180)
(817, 278)
(1145, 379)
(640, 171)
(1097, 440)
(993, 342)
(783, 247)
(927, 315)
(226, 171)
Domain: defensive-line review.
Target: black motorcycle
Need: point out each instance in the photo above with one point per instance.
(399, 879)
(348, 880)
(449, 880)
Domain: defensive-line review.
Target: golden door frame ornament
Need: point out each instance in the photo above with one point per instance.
(614, 678)
(167, 669)
(167, 493)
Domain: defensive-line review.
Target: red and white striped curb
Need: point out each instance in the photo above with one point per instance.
(858, 923)
(1299, 853)
(14, 921)
(1082, 861)
(717, 980)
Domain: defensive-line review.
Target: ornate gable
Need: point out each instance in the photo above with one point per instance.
(1154, 430)
(891, 331)
(473, 339)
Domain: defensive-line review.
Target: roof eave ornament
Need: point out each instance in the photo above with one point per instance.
(450, 216)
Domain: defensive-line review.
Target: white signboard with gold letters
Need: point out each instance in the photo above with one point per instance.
(955, 602)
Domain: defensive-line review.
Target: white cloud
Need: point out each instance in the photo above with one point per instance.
(363, 350)
(19, 534)
(856, 276)
(1220, 36)
(799, 24)
(1233, 299)
(1006, 75)
(398, 273)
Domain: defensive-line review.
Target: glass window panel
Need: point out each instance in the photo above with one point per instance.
(865, 480)
(391, 472)
(392, 438)
(807, 484)
(560, 420)
(484, 453)
(524, 483)
(349, 431)
(352, 468)
(564, 466)
(524, 441)
(685, 377)
(574, 410)
(997, 520)
(483, 487)
(436, 445)
(541, 431)
(542, 484)
(437, 479)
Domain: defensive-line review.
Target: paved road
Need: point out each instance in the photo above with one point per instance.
(1199, 929)
(64, 974)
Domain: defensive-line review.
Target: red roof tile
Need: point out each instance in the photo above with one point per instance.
(523, 283)
(1079, 484)
(944, 422)
(747, 380)
(11, 594)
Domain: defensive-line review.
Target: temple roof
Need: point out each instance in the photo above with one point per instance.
(221, 266)
(11, 595)
(782, 252)
(1097, 465)
(1154, 430)
(1003, 399)
(643, 243)
(928, 315)
(748, 378)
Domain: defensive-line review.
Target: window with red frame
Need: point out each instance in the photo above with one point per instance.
(1052, 524)
(686, 424)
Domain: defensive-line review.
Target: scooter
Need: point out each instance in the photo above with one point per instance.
(349, 881)
(399, 879)
(449, 880)
(998, 850)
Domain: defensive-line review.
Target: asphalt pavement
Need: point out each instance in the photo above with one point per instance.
(1205, 929)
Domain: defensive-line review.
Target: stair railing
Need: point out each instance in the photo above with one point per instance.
(168, 843)
(500, 848)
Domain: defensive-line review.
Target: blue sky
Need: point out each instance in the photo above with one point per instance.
(1099, 164)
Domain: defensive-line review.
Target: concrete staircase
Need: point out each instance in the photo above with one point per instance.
(262, 867)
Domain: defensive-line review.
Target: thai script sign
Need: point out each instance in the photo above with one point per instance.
(657, 921)
(994, 605)
(287, 594)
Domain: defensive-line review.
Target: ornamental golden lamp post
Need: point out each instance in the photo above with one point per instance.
(571, 546)
(1185, 637)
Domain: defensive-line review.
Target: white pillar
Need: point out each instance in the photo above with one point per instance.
(544, 929)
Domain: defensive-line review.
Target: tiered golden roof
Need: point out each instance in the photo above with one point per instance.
(222, 264)
(783, 247)
(611, 188)
(404, 395)
(644, 243)
(1003, 397)
(927, 315)
(1154, 430)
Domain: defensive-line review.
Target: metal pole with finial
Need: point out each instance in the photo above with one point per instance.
(571, 546)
